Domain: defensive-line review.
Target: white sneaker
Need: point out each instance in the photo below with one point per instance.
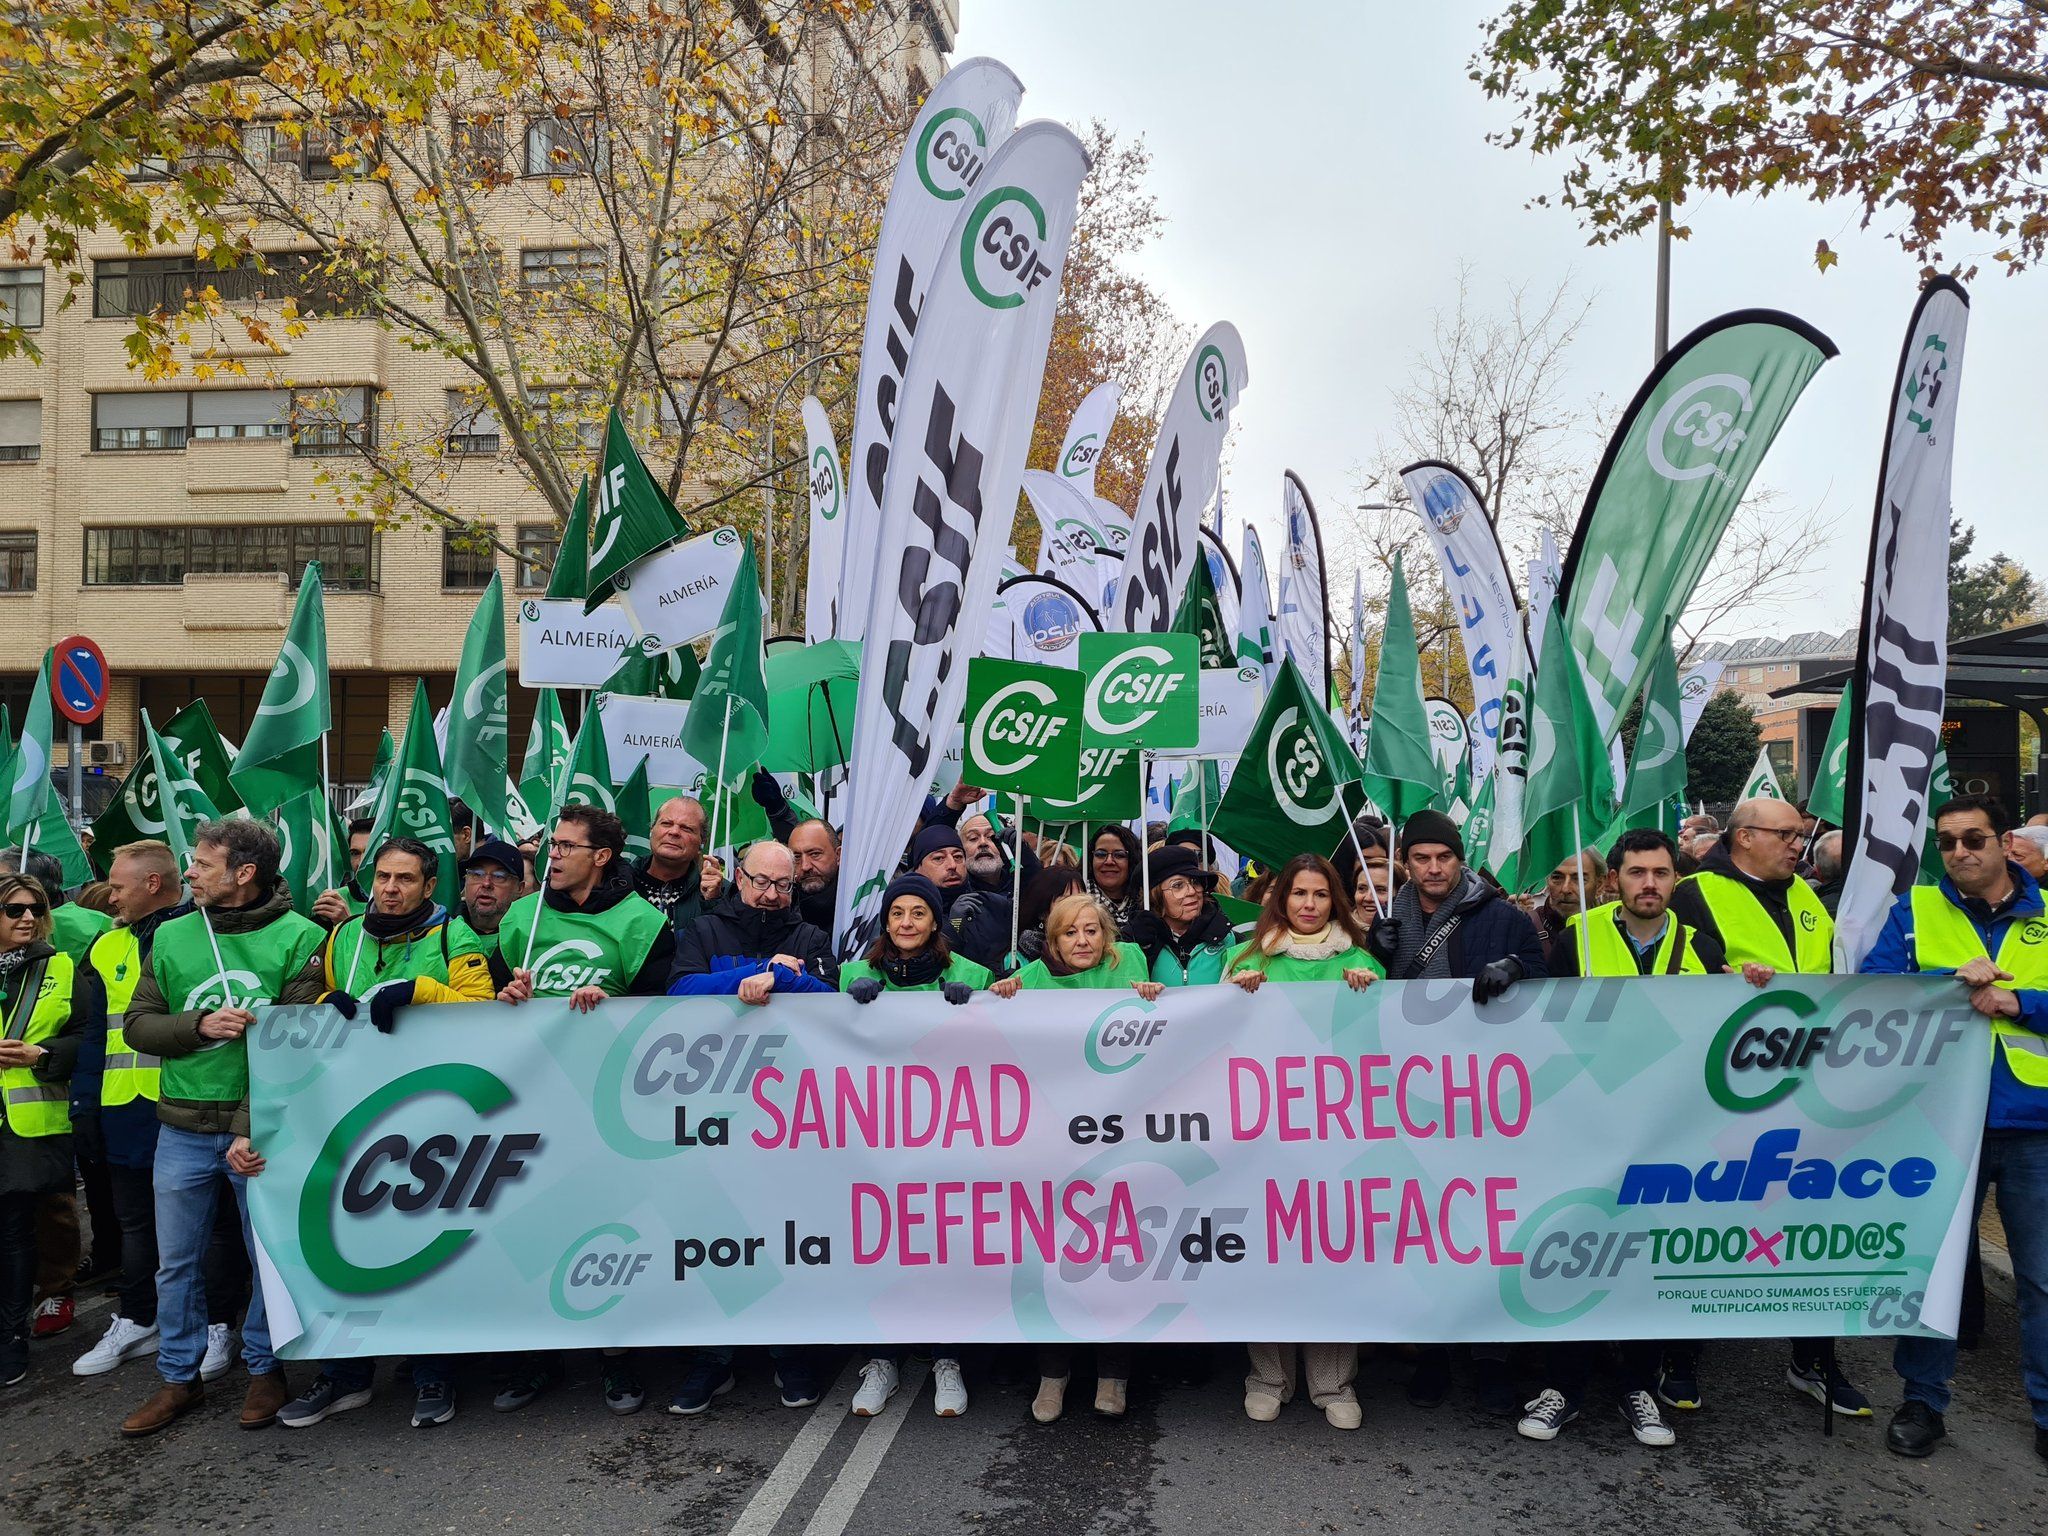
(878, 1380)
(123, 1341)
(220, 1352)
(949, 1391)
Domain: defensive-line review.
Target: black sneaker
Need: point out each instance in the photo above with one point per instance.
(433, 1404)
(1678, 1386)
(1639, 1412)
(1916, 1429)
(797, 1383)
(1545, 1414)
(1833, 1385)
(517, 1391)
(1431, 1383)
(623, 1392)
(2041, 1442)
(320, 1402)
(704, 1383)
(1495, 1389)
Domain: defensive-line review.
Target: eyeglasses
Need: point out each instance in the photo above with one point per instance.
(558, 847)
(1786, 835)
(493, 875)
(767, 882)
(1945, 842)
(20, 909)
(1112, 855)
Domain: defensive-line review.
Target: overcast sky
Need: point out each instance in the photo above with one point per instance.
(1325, 172)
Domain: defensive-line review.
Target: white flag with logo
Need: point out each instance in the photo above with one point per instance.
(1070, 530)
(969, 399)
(1304, 595)
(1039, 618)
(960, 127)
(1696, 685)
(1256, 625)
(1762, 783)
(1187, 461)
(1901, 674)
(827, 487)
(1087, 435)
(1475, 574)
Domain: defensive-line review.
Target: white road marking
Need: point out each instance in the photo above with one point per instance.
(773, 1496)
(836, 1509)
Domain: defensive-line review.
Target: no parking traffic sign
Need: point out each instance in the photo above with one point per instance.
(78, 684)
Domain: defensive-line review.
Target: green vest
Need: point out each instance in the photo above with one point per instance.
(1128, 971)
(1944, 939)
(581, 949)
(464, 939)
(255, 967)
(958, 968)
(1751, 937)
(356, 962)
(130, 1075)
(1203, 968)
(1611, 954)
(73, 928)
(34, 1107)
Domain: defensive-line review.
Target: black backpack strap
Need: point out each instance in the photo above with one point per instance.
(1680, 942)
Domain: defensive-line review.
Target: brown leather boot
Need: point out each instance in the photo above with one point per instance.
(267, 1394)
(173, 1400)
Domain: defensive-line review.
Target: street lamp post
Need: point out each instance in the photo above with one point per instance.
(768, 486)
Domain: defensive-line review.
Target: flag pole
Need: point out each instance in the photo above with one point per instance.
(220, 966)
(1145, 835)
(1579, 868)
(540, 898)
(1016, 877)
(724, 791)
(1351, 831)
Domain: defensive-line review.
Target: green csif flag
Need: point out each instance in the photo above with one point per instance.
(547, 754)
(569, 577)
(587, 777)
(133, 815)
(1762, 783)
(365, 800)
(1400, 770)
(280, 756)
(1287, 796)
(1656, 768)
(636, 810)
(1940, 790)
(1831, 779)
(180, 800)
(727, 727)
(414, 801)
(28, 776)
(644, 674)
(478, 717)
(1201, 614)
(1674, 473)
(1569, 797)
(313, 844)
(633, 519)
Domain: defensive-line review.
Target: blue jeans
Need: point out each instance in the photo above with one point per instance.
(2017, 1162)
(188, 1170)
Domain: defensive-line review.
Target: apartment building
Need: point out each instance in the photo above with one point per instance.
(170, 522)
(1795, 727)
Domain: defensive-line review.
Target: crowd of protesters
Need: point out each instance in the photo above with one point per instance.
(124, 1073)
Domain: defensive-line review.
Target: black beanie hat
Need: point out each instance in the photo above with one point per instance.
(1431, 827)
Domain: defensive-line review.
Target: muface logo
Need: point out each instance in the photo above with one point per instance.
(1702, 418)
(1007, 721)
(951, 153)
(443, 1172)
(1002, 248)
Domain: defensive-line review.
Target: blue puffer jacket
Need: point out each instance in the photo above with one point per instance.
(2013, 1106)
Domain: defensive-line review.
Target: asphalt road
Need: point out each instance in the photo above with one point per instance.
(1185, 1460)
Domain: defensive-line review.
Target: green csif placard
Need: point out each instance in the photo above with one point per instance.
(1022, 728)
(1142, 691)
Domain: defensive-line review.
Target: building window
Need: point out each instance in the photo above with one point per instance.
(164, 556)
(17, 562)
(539, 543)
(164, 284)
(223, 415)
(21, 431)
(480, 150)
(565, 146)
(21, 297)
(140, 422)
(326, 423)
(467, 562)
(572, 417)
(472, 424)
(318, 147)
(540, 271)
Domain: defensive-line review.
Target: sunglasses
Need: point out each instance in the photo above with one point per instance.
(21, 909)
(1945, 842)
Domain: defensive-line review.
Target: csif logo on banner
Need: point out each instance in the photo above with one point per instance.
(1121, 1036)
(1699, 426)
(1212, 383)
(1000, 248)
(824, 484)
(950, 153)
(1009, 720)
(1081, 456)
(409, 1176)
(1126, 698)
(1924, 385)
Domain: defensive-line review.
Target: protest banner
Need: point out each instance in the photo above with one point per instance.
(1579, 1160)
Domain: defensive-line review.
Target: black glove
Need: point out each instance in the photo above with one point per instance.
(955, 992)
(343, 1003)
(385, 1001)
(1496, 979)
(864, 990)
(89, 1138)
(767, 792)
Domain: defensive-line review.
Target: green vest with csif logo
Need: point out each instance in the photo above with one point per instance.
(580, 949)
(1944, 939)
(255, 967)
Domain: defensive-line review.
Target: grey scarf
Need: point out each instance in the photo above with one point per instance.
(1413, 929)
